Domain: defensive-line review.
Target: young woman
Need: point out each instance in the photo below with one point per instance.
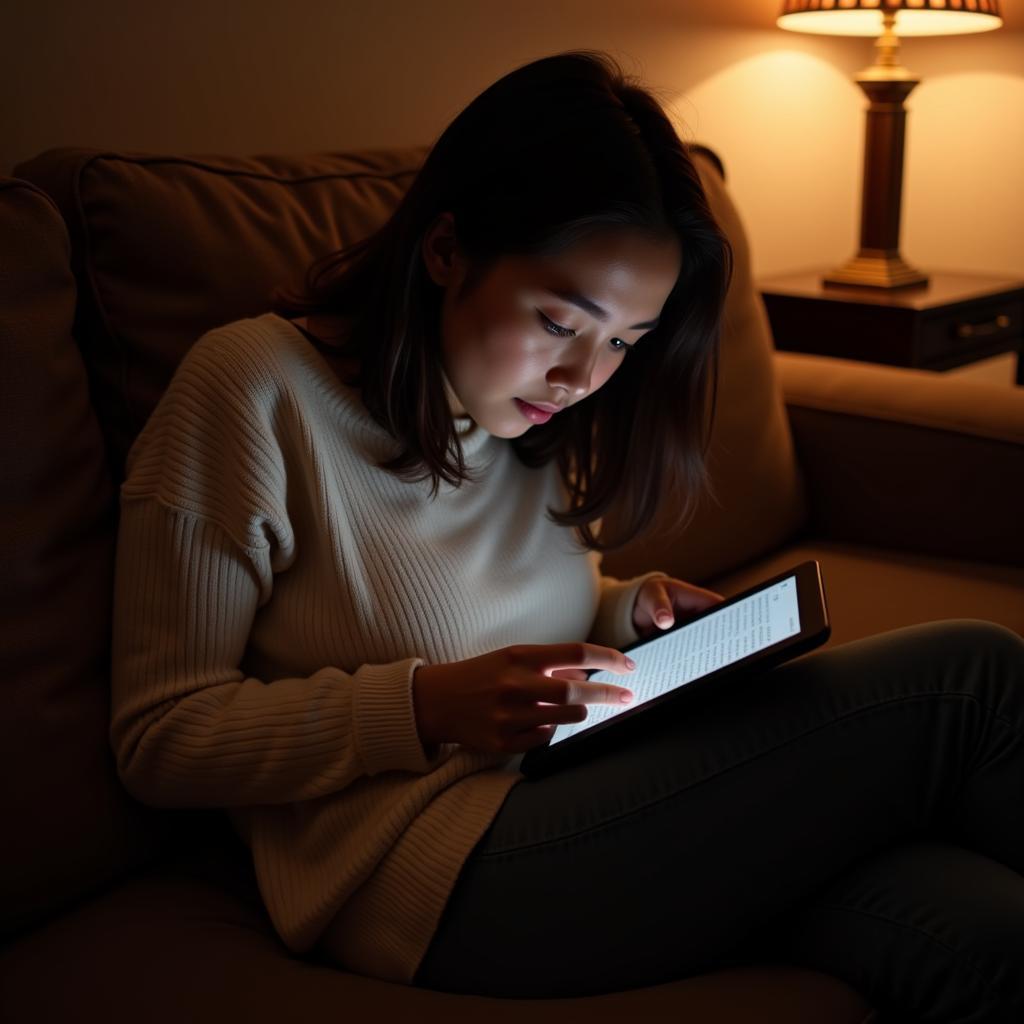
(357, 578)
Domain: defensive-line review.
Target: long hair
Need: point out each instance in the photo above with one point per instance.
(551, 152)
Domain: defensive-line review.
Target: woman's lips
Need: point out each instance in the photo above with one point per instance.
(532, 413)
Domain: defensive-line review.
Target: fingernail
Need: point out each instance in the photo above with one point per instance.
(625, 698)
(630, 663)
(664, 620)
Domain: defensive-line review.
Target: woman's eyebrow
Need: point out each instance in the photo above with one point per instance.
(591, 307)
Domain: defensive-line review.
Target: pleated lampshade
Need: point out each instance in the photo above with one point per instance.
(913, 17)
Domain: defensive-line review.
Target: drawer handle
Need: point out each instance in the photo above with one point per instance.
(980, 330)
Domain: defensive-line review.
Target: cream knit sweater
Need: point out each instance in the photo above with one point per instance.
(275, 591)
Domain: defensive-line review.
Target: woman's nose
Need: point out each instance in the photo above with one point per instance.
(575, 372)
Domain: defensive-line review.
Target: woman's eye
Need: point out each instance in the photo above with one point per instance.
(552, 328)
(565, 332)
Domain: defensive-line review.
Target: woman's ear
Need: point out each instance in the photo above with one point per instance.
(439, 249)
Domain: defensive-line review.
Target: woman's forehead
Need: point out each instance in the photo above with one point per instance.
(613, 267)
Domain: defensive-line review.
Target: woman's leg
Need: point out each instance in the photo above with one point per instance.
(925, 926)
(662, 858)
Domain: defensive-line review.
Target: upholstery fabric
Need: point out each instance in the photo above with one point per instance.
(60, 791)
(161, 249)
(195, 934)
(77, 844)
(232, 228)
(932, 464)
(169, 247)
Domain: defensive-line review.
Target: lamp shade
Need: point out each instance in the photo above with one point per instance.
(913, 17)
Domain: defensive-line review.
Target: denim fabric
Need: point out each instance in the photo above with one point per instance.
(859, 811)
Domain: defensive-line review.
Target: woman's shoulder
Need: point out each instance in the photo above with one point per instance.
(224, 390)
(274, 369)
(256, 358)
(212, 448)
(246, 409)
(238, 351)
(264, 336)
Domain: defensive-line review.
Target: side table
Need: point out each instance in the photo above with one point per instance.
(954, 319)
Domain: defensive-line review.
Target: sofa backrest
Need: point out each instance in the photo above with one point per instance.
(98, 304)
(166, 247)
(69, 826)
(106, 278)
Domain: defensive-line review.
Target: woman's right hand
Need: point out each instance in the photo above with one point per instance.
(510, 700)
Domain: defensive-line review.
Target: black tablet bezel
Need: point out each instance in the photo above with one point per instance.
(815, 630)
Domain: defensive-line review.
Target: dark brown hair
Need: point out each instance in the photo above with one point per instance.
(551, 152)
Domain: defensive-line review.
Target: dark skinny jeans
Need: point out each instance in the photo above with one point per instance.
(858, 811)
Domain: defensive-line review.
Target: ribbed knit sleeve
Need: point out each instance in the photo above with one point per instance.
(204, 529)
(188, 728)
(217, 445)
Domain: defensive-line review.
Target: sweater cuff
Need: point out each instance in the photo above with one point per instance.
(613, 625)
(385, 720)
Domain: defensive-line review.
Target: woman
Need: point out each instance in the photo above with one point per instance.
(357, 578)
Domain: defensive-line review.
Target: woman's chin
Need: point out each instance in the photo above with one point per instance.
(496, 426)
(508, 430)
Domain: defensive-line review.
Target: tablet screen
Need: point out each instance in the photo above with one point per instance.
(667, 662)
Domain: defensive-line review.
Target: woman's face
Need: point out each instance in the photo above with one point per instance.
(518, 337)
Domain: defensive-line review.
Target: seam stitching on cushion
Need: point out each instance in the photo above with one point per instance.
(122, 353)
(147, 161)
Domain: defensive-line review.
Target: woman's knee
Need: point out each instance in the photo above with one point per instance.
(987, 631)
(983, 656)
(927, 927)
(994, 639)
(973, 636)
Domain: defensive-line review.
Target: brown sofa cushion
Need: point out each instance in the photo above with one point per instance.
(69, 826)
(172, 246)
(166, 248)
(192, 942)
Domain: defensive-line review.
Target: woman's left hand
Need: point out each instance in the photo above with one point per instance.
(661, 602)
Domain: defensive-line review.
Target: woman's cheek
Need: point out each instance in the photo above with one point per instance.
(604, 372)
(519, 354)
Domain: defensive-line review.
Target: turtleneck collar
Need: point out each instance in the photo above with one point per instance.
(473, 438)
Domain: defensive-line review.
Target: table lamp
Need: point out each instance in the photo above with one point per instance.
(887, 84)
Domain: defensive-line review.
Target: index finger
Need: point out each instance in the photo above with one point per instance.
(559, 690)
(547, 658)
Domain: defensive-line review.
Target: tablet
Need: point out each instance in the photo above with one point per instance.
(745, 635)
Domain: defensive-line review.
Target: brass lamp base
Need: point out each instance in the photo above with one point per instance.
(886, 84)
(876, 270)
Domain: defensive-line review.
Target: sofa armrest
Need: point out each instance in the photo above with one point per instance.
(908, 459)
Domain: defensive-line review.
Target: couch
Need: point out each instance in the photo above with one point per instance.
(904, 485)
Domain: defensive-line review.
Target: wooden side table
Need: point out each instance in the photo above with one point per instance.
(954, 319)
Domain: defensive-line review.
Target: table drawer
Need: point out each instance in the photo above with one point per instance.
(981, 326)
